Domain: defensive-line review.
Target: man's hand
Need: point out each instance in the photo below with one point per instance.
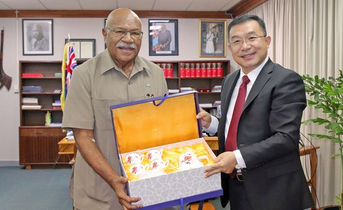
(118, 185)
(224, 163)
(205, 118)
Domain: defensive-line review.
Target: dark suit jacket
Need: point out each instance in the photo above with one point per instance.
(165, 39)
(268, 135)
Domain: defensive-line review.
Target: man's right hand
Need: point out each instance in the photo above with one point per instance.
(205, 118)
(126, 201)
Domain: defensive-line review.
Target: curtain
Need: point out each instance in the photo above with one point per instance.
(307, 36)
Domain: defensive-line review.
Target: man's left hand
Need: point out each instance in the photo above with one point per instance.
(224, 163)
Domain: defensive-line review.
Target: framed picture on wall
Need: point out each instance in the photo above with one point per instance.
(212, 38)
(105, 21)
(38, 37)
(83, 48)
(163, 37)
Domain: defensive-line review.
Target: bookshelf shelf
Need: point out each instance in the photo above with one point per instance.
(38, 144)
(194, 74)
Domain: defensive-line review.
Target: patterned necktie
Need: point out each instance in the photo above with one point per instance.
(231, 139)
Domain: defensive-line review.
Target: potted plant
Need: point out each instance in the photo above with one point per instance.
(327, 95)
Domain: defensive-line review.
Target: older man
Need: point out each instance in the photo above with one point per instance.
(115, 76)
(38, 41)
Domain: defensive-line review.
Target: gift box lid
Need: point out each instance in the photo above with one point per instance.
(156, 121)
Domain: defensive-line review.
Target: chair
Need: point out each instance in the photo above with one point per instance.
(206, 206)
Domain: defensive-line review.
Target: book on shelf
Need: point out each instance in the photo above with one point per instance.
(28, 75)
(171, 91)
(32, 89)
(31, 107)
(217, 88)
(30, 100)
(205, 105)
(185, 89)
(57, 91)
(57, 103)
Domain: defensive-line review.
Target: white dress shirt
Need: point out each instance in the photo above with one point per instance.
(212, 129)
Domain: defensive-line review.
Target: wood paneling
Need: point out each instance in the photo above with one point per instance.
(245, 6)
(104, 14)
(40, 145)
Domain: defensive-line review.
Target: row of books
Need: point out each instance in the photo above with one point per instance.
(29, 103)
(32, 103)
(215, 89)
(38, 75)
(31, 107)
(37, 89)
(56, 104)
(30, 75)
(32, 89)
(201, 69)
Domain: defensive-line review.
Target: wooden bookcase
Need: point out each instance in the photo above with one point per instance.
(38, 144)
(177, 80)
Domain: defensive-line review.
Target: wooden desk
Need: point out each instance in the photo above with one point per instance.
(213, 143)
(65, 147)
(308, 150)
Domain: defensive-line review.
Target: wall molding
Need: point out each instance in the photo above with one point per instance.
(104, 14)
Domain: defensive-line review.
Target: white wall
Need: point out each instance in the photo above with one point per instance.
(77, 28)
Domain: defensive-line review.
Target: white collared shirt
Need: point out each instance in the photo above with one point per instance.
(212, 129)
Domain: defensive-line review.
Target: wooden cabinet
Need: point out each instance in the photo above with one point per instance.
(38, 143)
(202, 76)
(39, 146)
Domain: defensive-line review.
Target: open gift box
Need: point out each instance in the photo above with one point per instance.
(167, 124)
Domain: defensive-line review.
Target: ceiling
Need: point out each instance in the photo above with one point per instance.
(142, 5)
(167, 5)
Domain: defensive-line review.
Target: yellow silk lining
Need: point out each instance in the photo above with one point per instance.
(143, 126)
(172, 155)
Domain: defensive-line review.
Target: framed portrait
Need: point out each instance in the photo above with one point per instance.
(212, 38)
(84, 49)
(38, 37)
(105, 21)
(163, 37)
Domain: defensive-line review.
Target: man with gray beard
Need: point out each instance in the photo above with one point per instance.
(116, 75)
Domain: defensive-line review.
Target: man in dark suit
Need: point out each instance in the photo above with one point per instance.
(258, 144)
(164, 38)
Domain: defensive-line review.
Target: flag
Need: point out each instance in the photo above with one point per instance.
(68, 65)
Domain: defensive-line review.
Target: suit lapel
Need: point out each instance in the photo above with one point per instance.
(228, 92)
(261, 80)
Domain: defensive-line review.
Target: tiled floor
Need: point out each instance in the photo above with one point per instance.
(217, 205)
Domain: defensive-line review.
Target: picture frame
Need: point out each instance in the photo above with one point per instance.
(37, 36)
(105, 21)
(163, 37)
(84, 49)
(212, 38)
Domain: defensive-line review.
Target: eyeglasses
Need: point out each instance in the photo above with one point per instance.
(237, 42)
(122, 33)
